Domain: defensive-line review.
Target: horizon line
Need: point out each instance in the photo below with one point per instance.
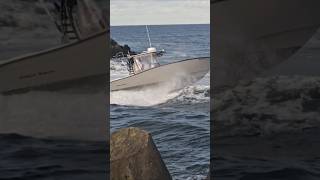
(159, 24)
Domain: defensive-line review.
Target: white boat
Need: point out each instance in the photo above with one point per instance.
(82, 59)
(82, 55)
(252, 36)
(145, 70)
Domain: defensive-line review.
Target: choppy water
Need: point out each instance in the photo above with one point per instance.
(268, 128)
(24, 158)
(179, 121)
(25, 28)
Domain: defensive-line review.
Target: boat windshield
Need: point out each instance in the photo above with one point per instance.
(144, 62)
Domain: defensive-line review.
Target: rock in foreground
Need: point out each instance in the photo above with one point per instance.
(134, 156)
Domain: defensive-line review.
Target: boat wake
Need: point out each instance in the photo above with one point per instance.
(193, 94)
(158, 94)
(155, 95)
(144, 97)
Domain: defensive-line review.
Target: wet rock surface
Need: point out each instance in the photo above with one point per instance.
(117, 48)
(134, 156)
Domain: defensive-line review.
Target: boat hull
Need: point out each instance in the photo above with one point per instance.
(253, 36)
(179, 74)
(82, 59)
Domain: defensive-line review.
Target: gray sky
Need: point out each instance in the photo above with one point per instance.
(146, 12)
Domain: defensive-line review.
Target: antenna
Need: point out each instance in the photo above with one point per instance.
(148, 36)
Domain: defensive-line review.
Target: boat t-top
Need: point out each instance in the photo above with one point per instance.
(143, 61)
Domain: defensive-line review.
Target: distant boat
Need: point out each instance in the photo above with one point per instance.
(83, 54)
(145, 71)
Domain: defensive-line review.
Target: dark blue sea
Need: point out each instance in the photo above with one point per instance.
(268, 128)
(179, 121)
(26, 28)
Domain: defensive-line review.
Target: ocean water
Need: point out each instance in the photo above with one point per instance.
(25, 28)
(27, 158)
(268, 128)
(179, 121)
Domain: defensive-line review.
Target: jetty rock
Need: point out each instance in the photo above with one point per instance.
(134, 156)
(116, 48)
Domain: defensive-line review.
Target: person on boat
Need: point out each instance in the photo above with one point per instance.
(130, 63)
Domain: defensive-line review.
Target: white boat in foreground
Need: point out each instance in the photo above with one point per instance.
(145, 71)
(82, 54)
(82, 59)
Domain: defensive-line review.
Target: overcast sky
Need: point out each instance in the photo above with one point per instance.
(146, 12)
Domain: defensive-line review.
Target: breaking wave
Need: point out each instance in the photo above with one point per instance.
(193, 94)
(156, 95)
(268, 106)
(198, 177)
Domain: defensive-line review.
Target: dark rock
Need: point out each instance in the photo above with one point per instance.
(126, 48)
(116, 48)
(134, 156)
